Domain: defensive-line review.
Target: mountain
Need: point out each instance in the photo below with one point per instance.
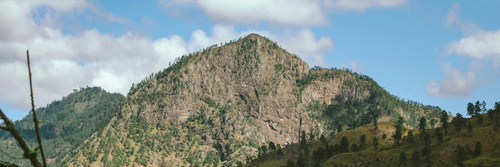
(65, 124)
(215, 107)
(468, 142)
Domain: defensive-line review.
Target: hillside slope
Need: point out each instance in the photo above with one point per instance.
(65, 123)
(216, 106)
(458, 147)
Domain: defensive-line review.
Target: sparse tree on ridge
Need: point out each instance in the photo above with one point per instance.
(423, 124)
(444, 121)
(483, 107)
(477, 108)
(459, 121)
(470, 109)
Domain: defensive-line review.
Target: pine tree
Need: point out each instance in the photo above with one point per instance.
(410, 138)
(439, 135)
(264, 149)
(461, 154)
(301, 161)
(415, 157)
(459, 122)
(399, 131)
(272, 147)
(362, 140)
(470, 109)
(402, 159)
(423, 124)
(477, 108)
(354, 147)
(477, 150)
(303, 139)
(375, 142)
(322, 139)
(427, 140)
(311, 135)
(444, 121)
(344, 145)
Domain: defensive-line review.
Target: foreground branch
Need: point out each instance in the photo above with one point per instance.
(27, 152)
(34, 114)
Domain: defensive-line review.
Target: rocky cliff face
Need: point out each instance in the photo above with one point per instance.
(216, 106)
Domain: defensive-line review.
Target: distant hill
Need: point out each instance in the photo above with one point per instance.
(65, 124)
(216, 106)
(458, 147)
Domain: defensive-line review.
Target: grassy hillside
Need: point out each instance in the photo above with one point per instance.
(352, 111)
(457, 148)
(65, 123)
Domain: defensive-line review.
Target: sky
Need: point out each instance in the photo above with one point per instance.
(441, 53)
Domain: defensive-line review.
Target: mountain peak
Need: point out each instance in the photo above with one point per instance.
(230, 99)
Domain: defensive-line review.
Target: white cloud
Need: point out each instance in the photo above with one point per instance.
(452, 16)
(299, 13)
(61, 62)
(480, 44)
(304, 44)
(481, 47)
(284, 12)
(353, 65)
(454, 83)
(361, 5)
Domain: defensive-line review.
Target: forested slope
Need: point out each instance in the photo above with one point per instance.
(65, 124)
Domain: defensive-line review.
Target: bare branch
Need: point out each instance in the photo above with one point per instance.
(34, 114)
(4, 128)
(20, 140)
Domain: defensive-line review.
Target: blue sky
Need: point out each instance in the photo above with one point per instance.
(443, 53)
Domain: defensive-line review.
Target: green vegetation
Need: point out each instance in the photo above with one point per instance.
(65, 124)
(224, 106)
(460, 147)
(379, 102)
